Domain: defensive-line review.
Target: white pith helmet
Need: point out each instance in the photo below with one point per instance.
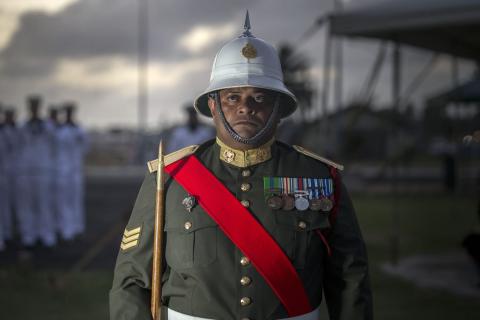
(247, 61)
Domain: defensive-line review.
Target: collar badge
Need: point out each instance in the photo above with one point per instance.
(229, 155)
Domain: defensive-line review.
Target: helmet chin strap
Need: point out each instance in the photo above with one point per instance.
(257, 138)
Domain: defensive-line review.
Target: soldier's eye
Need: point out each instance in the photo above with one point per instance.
(233, 98)
(259, 98)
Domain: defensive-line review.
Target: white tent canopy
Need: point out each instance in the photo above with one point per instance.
(449, 26)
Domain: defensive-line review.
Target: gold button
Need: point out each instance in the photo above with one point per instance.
(245, 281)
(245, 187)
(188, 225)
(245, 203)
(246, 173)
(245, 301)
(302, 224)
(244, 261)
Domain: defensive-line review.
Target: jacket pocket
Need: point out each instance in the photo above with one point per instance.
(191, 241)
(294, 231)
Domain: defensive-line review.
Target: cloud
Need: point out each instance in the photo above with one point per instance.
(87, 50)
(202, 36)
(76, 32)
(11, 11)
(110, 27)
(178, 30)
(26, 5)
(120, 74)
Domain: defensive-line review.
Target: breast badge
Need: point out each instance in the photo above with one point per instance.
(189, 203)
(286, 193)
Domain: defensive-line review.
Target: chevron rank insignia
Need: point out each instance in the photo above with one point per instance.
(130, 238)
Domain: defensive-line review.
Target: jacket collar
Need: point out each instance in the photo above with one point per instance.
(245, 158)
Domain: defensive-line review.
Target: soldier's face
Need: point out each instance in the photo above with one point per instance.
(246, 109)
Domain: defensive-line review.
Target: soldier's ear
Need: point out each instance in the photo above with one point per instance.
(211, 105)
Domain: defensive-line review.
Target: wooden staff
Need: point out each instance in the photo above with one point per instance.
(158, 240)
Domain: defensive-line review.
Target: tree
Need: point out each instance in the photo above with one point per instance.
(296, 75)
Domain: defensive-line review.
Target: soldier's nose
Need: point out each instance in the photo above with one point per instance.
(247, 107)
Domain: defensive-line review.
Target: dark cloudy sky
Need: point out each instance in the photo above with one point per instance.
(86, 51)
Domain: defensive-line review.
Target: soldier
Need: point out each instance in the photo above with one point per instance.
(254, 228)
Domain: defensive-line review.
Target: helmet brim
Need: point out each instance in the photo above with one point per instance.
(288, 102)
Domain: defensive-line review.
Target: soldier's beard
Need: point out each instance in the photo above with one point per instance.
(261, 135)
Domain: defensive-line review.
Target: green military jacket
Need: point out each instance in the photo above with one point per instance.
(203, 269)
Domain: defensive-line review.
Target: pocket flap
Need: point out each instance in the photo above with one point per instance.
(311, 220)
(190, 222)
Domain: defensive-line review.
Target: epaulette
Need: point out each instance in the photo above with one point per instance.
(316, 156)
(172, 157)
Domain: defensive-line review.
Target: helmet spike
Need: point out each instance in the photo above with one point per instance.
(247, 26)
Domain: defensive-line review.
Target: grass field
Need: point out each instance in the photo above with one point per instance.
(431, 223)
(427, 224)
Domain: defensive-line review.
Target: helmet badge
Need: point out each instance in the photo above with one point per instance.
(249, 51)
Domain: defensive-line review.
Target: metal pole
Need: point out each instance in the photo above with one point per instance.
(338, 55)
(456, 157)
(142, 64)
(417, 81)
(396, 88)
(339, 73)
(326, 81)
(370, 83)
(455, 77)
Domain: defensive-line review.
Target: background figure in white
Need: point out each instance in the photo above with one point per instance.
(72, 146)
(3, 181)
(34, 212)
(192, 132)
(11, 143)
(53, 123)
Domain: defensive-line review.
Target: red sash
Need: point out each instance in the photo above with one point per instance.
(234, 219)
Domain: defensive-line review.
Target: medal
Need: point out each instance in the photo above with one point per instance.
(189, 202)
(302, 193)
(274, 202)
(288, 202)
(315, 204)
(301, 200)
(326, 204)
(301, 203)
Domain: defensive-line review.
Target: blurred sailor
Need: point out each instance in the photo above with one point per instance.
(72, 145)
(11, 143)
(192, 132)
(35, 215)
(54, 126)
(3, 181)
